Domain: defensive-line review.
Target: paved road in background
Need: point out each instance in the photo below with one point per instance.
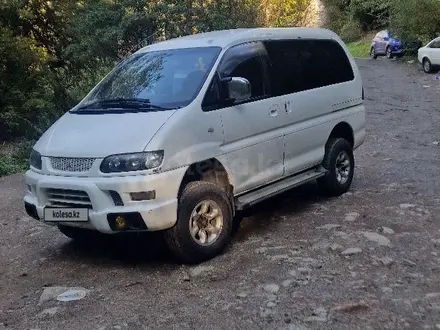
(284, 269)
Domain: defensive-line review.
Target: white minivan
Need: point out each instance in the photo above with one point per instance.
(185, 133)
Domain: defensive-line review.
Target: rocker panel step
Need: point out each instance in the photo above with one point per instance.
(255, 196)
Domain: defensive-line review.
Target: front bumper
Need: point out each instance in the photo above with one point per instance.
(158, 213)
(398, 52)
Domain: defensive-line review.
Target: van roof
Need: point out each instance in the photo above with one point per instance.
(227, 38)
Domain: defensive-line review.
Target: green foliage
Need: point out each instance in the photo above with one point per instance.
(360, 49)
(360, 15)
(25, 100)
(287, 12)
(370, 13)
(14, 157)
(107, 31)
(412, 20)
(351, 31)
(416, 19)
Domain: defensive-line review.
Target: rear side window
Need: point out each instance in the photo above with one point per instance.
(300, 65)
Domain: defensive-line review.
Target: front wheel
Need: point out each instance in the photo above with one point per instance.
(427, 66)
(339, 162)
(373, 53)
(204, 223)
(389, 53)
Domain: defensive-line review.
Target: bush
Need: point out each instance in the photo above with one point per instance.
(415, 20)
(364, 15)
(14, 157)
(25, 94)
(371, 14)
(351, 31)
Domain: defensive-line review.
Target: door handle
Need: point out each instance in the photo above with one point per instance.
(273, 112)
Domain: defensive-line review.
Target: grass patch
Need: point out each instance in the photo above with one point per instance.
(14, 156)
(360, 49)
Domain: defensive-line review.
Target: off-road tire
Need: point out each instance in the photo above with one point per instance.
(329, 184)
(179, 239)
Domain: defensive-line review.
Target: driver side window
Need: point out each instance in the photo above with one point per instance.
(435, 44)
(245, 61)
(252, 70)
(242, 61)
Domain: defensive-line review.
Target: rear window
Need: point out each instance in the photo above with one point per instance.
(300, 65)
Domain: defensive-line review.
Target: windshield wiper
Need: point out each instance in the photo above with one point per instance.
(136, 104)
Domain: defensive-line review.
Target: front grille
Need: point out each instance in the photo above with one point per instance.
(71, 164)
(68, 198)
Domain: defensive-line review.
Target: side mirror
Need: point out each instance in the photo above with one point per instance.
(239, 89)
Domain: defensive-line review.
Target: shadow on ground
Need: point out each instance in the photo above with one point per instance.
(135, 249)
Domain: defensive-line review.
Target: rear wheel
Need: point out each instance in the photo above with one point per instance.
(204, 223)
(339, 162)
(427, 65)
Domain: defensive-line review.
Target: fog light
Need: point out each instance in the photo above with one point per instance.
(130, 221)
(143, 195)
(120, 222)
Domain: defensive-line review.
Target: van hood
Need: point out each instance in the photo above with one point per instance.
(101, 135)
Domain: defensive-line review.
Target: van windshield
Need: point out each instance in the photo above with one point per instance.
(153, 81)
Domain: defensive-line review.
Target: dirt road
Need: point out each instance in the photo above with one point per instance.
(286, 268)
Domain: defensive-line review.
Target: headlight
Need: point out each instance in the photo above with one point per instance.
(132, 162)
(35, 159)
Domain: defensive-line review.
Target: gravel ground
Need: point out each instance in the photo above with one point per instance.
(367, 260)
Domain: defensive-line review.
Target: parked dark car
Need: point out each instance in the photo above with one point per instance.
(385, 43)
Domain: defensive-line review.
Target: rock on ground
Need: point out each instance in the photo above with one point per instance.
(199, 270)
(386, 230)
(351, 251)
(352, 216)
(271, 288)
(377, 238)
(49, 311)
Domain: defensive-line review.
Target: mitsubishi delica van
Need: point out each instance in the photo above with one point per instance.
(185, 133)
